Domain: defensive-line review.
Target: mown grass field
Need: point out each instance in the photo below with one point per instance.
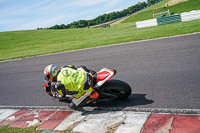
(159, 7)
(21, 44)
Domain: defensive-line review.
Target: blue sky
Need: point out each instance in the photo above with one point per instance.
(32, 14)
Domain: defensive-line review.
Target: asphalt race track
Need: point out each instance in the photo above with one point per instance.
(163, 73)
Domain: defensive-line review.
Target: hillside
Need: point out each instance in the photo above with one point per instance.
(162, 6)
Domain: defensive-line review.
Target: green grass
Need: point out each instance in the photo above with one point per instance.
(6, 129)
(159, 7)
(19, 44)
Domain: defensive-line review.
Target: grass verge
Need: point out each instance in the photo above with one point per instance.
(6, 129)
(19, 44)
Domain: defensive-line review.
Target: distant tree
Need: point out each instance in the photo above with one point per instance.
(149, 2)
(39, 28)
(82, 23)
(62, 26)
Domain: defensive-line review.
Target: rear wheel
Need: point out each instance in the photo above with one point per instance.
(115, 89)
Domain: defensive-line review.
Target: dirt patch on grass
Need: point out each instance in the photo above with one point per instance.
(174, 2)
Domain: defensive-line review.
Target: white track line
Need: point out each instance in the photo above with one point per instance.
(85, 109)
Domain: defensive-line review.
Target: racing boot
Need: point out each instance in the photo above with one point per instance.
(72, 105)
(94, 96)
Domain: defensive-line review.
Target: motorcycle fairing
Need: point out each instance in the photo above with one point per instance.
(104, 75)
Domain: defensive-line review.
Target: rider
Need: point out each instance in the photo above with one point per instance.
(70, 79)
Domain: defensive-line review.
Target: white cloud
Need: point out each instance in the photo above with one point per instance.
(20, 9)
(1, 1)
(47, 21)
(85, 3)
(112, 3)
(40, 23)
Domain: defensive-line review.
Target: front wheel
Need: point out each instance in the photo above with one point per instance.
(115, 89)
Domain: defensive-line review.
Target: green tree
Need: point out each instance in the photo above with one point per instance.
(62, 26)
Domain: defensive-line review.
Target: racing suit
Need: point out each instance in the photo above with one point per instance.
(71, 79)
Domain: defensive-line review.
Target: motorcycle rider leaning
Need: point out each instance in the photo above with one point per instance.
(70, 79)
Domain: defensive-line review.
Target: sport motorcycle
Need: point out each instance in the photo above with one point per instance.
(104, 88)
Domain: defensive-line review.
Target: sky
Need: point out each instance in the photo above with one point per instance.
(33, 14)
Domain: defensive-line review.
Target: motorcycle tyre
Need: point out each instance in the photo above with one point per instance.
(113, 86)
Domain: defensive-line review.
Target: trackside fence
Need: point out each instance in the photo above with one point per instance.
(169, 19)
(147, 23)
(186, 16)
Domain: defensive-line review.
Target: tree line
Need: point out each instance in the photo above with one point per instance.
(105, 17)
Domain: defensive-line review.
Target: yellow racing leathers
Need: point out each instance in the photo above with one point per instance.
(70, 79)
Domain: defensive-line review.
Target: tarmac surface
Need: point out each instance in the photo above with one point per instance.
(163, 73)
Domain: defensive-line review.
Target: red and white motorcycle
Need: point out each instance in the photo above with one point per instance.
(105, 87)
(111, 89)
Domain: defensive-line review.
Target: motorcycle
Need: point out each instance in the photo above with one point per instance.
(105, 88)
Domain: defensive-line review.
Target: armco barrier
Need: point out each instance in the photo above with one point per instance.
(146, 23)
(169, 19)
(188, 16)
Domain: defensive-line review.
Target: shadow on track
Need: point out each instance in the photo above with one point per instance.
(103, 106)
(133, 100)
(106, 104)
